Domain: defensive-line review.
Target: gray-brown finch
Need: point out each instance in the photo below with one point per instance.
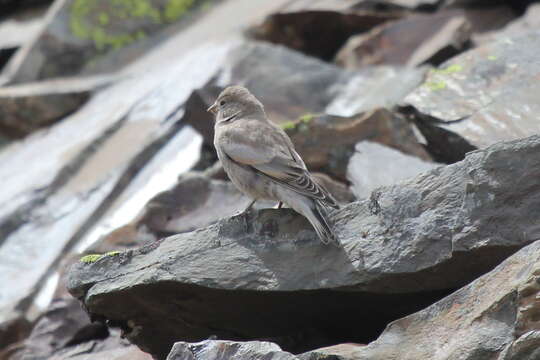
(261, 161)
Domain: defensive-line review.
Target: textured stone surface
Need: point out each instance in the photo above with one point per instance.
(493, 87)
(316, 33)
(80, 34)
(28, 107)
(404, 247)
(374, 165)
(495, 317)
(221, 350)
(412, 41)
(327, 142)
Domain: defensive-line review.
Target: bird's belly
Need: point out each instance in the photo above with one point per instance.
(249, 182)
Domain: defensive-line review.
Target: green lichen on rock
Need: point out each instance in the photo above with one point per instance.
(435, 85)
(92, 258)
(176, 8)
(451, 69)
(88, 259)
(288, 125)
(101, 20)
(306, 118)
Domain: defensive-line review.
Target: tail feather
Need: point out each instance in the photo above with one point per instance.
(322, 226)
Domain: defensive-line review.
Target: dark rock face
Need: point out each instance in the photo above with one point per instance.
(496, 316)
(401, 249)
(26, 108)
(492, 88)
(412, 41)
(316, 33)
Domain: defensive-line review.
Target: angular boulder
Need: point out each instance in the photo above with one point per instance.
(230, 350)
(412, 41)
(487, 94)
(28, 107)
(403, 248)
(374, 165)
(494, 317)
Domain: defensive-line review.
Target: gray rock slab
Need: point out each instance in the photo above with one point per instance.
(493, 317)
(494, 87)
(374, 165)
(230, 350)
(435, 232)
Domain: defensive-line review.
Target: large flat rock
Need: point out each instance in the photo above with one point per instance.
(494, 88)
(404, 247)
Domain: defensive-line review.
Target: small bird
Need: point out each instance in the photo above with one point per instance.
(261, 161)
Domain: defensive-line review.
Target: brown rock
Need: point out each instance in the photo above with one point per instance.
(26, 108)
(327, 142)
(315, 32)
(411, 41)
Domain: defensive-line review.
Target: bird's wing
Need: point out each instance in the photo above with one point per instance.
(270, 152)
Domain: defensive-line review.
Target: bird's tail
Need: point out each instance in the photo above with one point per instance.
(319, 220)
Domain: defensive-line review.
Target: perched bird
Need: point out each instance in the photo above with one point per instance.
(261, 161)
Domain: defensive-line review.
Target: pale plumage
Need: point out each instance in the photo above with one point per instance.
(261, 161)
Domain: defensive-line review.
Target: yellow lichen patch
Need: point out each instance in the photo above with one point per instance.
(435, 85)
(492, 57)
(288, 125)
(451, 69)
(307, 117)
(112, 253)
(90, 258)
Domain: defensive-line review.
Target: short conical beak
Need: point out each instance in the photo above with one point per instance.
(213, 108)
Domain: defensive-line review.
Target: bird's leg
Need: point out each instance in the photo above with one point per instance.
(250, 205)
(279, 205)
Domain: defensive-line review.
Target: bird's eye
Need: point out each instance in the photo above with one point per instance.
(222, 102)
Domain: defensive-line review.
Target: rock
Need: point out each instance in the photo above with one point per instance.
(314, 137)
(485, 21)
(14, 328)
(406, 246)
(28, 107)
(374, 165)
(99, 166)
(492, 89)
(318, 33)
(428, 39)
(17, 31)
(9, 6)
(494, 317)
(81, 35)
(195, 201)
(291, 85)
(230, 350)
(530, 21)
(335, 352)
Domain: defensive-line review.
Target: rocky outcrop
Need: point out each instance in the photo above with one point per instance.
(318, 33)
(428, 39)
(81, 36)
(494, 317)
(486, 94)
(28, 107)
(374, 165)
(401, 249)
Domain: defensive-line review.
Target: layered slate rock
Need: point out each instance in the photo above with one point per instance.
(28, 107)
(214, 350)
(374, 165)
(492, 89)
(326, 142)
(80, 35)
(318, 33)
(412, 41)
(496, 316)
(401, 249)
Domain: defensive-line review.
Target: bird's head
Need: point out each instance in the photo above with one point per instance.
(235, 102)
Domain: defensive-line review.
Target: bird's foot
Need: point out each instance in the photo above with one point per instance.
(279, 205)
(246, 210)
